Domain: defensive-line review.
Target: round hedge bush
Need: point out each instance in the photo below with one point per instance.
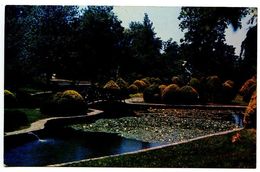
(122, 83)
(171, 94)
(177, 80)
(69, 102)
(195, 83)
(247, 89)
(214, 89)
(162, 87)
(228, 91)
(111, 85)
(14, 119)
(141, 85)
(132, 89)
(250, 113)
(10, 100)
(188, 95)
(152, 94)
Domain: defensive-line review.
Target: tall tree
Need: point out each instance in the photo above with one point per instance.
(144, 46)
(100, 42)
(205, 37)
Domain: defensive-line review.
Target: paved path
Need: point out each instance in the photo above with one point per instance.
(38, 125)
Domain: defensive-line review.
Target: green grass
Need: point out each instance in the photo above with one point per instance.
(211, 152)
(32, 114)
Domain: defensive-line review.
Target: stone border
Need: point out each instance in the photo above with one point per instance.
(40, 124)
(148, 149)
(132, 101)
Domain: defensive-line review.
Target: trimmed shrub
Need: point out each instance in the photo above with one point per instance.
(214, 88)
(152, 93)
(147, 80)
(195, 83)
(69, 102)
(177, 80)
(111, 85)
(14, 119)
(132, 89)
(140, 84)
(188, 95)
(122, 83)
(10, 100)
(171, 94)
(228, 91)
(250, 113)
(162, 87)
(247, 89)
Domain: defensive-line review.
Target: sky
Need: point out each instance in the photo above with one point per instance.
(166, 23)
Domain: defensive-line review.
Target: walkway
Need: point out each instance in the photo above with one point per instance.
(38, 125)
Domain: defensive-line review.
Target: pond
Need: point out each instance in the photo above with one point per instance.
(113, 136)
(54, 150)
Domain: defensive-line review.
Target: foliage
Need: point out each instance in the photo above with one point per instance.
(9, 99)
(69, 102)
(250, 113)
(171, 94)
(111, 85)
(14, 119)
(195, 83)
(177, 80)
(122, 83)
(248, 54)
(204, 40)
(214, 88)
(248, 88)
(132, 89)
(152, 93)
(141, 85)
(228, 91)
(162, 87)
(143, 47)
(188, 95)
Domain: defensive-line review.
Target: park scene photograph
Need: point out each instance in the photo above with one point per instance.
(130, 86)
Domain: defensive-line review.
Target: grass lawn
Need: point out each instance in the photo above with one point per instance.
(212, 152)
(32, 114)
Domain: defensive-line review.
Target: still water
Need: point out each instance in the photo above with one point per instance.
(49, 151)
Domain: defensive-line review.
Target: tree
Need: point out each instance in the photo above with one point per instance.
(144, 46)
(248, 54)
(205, 37)
(99, 43)
(16, 26)
(36, 37)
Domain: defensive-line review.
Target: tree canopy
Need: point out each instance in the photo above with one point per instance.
(91, 44)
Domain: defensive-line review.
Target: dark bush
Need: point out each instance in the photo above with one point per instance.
(228, 91)
(14, 119)
(195, 83)
(122, 83)
(141, 85)
(188, 95)
(213, 89)
(69, 102)
(132, 89)
(171, 94)
(247, 89)
(111, 85)
(10, 100)
(152, 94)
(177, 80)
(162, 87)
(250, 113)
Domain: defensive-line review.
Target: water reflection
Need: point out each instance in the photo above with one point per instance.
(58, 150)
